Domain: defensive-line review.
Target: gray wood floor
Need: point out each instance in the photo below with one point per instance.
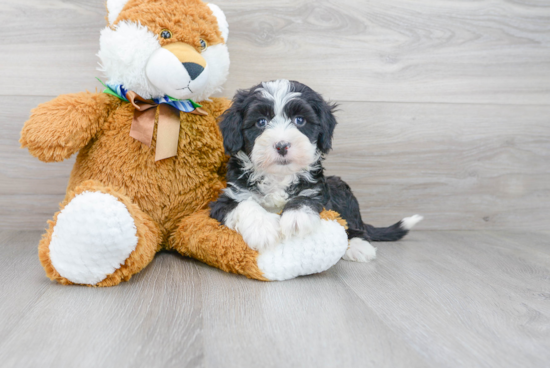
(436, 299)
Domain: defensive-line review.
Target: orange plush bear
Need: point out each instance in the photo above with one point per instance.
(151, 157)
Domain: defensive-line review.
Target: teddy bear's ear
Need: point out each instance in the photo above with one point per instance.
(222, 21)
(115, 7)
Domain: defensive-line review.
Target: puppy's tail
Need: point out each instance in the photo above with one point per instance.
(392, 233)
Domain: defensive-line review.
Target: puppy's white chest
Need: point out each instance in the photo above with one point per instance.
(275, 202)
(274, 193)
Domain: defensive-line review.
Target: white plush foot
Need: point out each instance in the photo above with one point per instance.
(260, 229)
(409, 222)
(299, 256)
(360, 251)
(299, 223)
(93, 237)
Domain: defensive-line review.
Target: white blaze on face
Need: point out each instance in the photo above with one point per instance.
(280, 93)
(301, 153)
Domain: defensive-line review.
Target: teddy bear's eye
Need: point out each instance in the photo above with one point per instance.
(204, 44)
(166, 34)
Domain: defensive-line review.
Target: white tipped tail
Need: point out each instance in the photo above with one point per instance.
(409, 222)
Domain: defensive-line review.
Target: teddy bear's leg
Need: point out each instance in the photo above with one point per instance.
(201, 237)
(205, 239)
(99, 238)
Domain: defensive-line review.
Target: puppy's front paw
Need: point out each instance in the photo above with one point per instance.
(360, 251)
(263, 233)
(300, 222)
(260, 229)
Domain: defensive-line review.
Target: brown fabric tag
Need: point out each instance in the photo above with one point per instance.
(168, 133)
(143, 125)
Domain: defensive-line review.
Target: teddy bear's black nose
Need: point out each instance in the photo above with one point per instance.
(193, 69)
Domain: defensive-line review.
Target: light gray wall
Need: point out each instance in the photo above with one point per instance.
(445, 105)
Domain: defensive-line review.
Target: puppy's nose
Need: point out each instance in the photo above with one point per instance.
(193, 69)
(282, 148)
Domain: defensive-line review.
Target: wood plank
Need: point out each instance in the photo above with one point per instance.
(20, 173)
(22, 280)
(438, 298)
(455, 52)
(48, 45)
(462, 166)
(537, 243)
(422, 51)
(154, 320)
(465, 298)
(307, 322)
(28, 212)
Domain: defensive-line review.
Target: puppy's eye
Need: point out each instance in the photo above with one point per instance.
(261, 123)
(204, 44)
(166, 34)
(300, 121)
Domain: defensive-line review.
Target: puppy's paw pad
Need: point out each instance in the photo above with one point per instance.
(299, 222)
(360, 251)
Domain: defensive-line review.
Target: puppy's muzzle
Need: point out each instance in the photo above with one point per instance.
(282, 148)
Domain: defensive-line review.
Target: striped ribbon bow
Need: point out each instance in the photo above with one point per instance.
(143, 125)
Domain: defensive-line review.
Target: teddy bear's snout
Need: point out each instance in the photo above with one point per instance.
(186, 53)
(178, 70)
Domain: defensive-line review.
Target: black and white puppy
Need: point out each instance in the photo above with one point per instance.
(277, 134)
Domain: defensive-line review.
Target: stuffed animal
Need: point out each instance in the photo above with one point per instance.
(151, 156)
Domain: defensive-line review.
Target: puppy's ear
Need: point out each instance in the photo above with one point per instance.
(325, 111)
(231, 125)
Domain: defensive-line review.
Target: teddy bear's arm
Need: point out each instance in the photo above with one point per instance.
(59, 128)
